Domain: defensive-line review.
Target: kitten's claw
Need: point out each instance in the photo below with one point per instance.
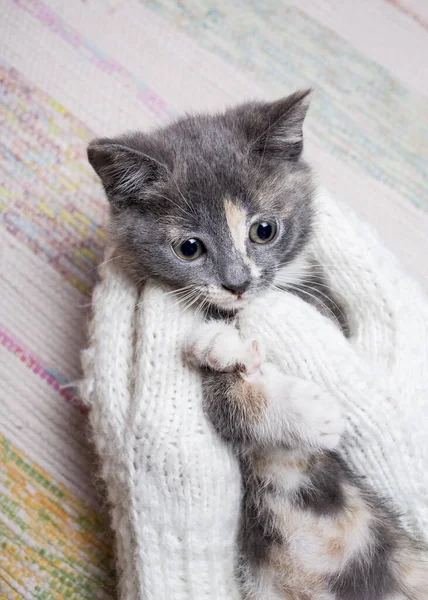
(219, 346)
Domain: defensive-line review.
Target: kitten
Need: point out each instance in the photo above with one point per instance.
(221, 208)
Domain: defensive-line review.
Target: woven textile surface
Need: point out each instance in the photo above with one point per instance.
(73, 70)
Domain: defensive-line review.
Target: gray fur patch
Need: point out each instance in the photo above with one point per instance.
(323, 493)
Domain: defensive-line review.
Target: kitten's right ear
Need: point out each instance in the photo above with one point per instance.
(125, 171)
(275, 129)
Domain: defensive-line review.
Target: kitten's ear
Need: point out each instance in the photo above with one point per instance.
(277, 130)
(125, 171)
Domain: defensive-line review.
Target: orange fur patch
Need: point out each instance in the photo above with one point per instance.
(249, 397)
(236, 218)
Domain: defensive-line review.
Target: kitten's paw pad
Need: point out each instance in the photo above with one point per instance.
(323, 414)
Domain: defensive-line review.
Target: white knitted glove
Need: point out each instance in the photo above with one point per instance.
(380, 373)
(173, 486)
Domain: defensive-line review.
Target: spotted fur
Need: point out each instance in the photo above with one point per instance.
(311, 528)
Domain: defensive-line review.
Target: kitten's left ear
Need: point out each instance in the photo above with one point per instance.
(124, 168)
(277, 129)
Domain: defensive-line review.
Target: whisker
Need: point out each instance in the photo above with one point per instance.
(200, 307)
(302, 282)
(263, 155)
(186, 287)
(179, 291)
(179, 191)
(324, 296)
(104, 263)
(309, 266)
(318, 300)
(184, 298)
(140, 303)
(157, 194)
(299, 281)
(191, 303)
(173, 178)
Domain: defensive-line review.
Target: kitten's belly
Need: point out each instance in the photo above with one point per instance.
(313, 551)
(291, 582)
(310, 548)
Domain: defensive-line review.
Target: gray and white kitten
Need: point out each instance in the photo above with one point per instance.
(220, 208)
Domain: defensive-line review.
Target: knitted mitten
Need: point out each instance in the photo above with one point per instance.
(173, 487)
(380, 373)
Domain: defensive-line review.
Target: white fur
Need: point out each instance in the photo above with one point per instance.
(310, 535)
(301, 407)
(224, 299)
(219, 346)
(281, 467)
(294, 271)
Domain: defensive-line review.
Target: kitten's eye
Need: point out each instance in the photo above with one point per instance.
(189, 249)
(263, 232)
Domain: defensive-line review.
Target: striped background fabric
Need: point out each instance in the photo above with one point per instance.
(72, 70)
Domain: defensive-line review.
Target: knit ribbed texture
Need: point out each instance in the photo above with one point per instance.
(174, 487)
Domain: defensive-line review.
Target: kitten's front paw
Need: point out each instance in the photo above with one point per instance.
(219, 346)
(316, 414)
(322, 413)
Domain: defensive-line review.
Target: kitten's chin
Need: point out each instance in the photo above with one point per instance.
(230, 306)
(225, 301)
(233, 304)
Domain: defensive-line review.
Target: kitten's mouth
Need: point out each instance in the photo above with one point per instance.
(229, 302)
(214, 297)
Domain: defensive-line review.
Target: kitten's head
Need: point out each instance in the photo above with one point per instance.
(216, 204)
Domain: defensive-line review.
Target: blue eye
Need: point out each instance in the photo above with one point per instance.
(263, 232)
(189, 249)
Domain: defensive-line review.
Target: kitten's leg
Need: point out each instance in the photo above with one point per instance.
(257, 404)
(270, 408)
